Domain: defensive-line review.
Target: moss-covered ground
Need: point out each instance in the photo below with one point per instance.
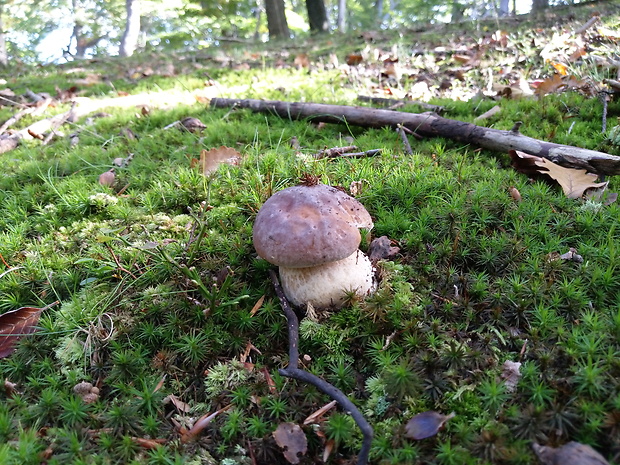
(161, 294)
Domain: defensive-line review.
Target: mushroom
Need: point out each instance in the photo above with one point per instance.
(311, 232)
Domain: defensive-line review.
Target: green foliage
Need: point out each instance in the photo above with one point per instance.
(158, 283)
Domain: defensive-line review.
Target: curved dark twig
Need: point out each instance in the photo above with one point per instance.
(292, 371)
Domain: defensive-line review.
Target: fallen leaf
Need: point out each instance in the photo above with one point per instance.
(270, 382)
(356, 187)
(192, 124)
(426, 424)
(572, 255)
(354, 59)
(381, 249)
(302, 61)
(560, 68)
(329, 447)
(573, 453)
(211, 159)
(149, 443)
(200, 425)
(292, 440)
(18, 323)
(178, 403)
(314, 417)
(108, 178)
(511, 374)
(574, 182)
(549, 85)
(257, 305)
(514, 193)
(487, 114)
(10, 388)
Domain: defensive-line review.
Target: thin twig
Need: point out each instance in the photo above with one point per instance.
(403, 136)
(292, 371)
(591, 22)
(390, 102)
(603, 96)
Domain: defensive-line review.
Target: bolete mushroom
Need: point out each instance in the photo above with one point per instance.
(311, 232)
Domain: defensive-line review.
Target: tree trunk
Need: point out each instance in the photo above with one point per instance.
(539, 6)
(504, 7)
(82, 42)
(458, 12)
(342, 16)
(129, 42)
(317, 16)
(432, 125)
(276, 19)
(4, 57)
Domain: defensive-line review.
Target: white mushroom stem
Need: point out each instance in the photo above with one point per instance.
(327, 285)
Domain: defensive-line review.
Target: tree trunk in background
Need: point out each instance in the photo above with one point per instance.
(82, 42)
(129, 42)
(504, 7)
(458, 11)
(276, 19)
(317, 16)
(4, 57)
(539, 5)
(342, 15)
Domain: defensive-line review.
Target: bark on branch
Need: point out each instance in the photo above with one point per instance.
(293, 371)
(432, 125)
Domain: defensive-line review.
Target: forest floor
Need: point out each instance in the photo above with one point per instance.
(139, 326)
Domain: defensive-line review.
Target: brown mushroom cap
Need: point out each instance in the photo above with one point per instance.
(304, 226)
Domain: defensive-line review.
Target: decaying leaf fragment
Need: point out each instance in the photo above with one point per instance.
(200, 425)
(426, 424)
(574, 182)
(511, 374)
(18, 323)
(211, 159)
(573, 453)
(291, 438)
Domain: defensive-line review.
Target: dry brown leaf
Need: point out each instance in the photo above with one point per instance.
(329, 447)
(18, 323)
(292, 439)
(511, 374)
(382, 248)
(574, 182)
(426, 424)
(573, 453)
(302, 61)
(560, 68)
(354, 59)
(514, 193)
(108, 178)
(550, 85)
(10, 388)
(149, 443)
(192, 124)
(211, 159)
(314, 417)
(178, 403)
(200, 425)
(257, 305)
(487, 114)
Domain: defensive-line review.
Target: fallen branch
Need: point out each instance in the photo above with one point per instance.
(293, 371)
(432, 125)
(392, 103)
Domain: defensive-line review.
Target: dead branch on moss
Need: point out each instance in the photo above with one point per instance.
(432, 125)
(293, 371)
